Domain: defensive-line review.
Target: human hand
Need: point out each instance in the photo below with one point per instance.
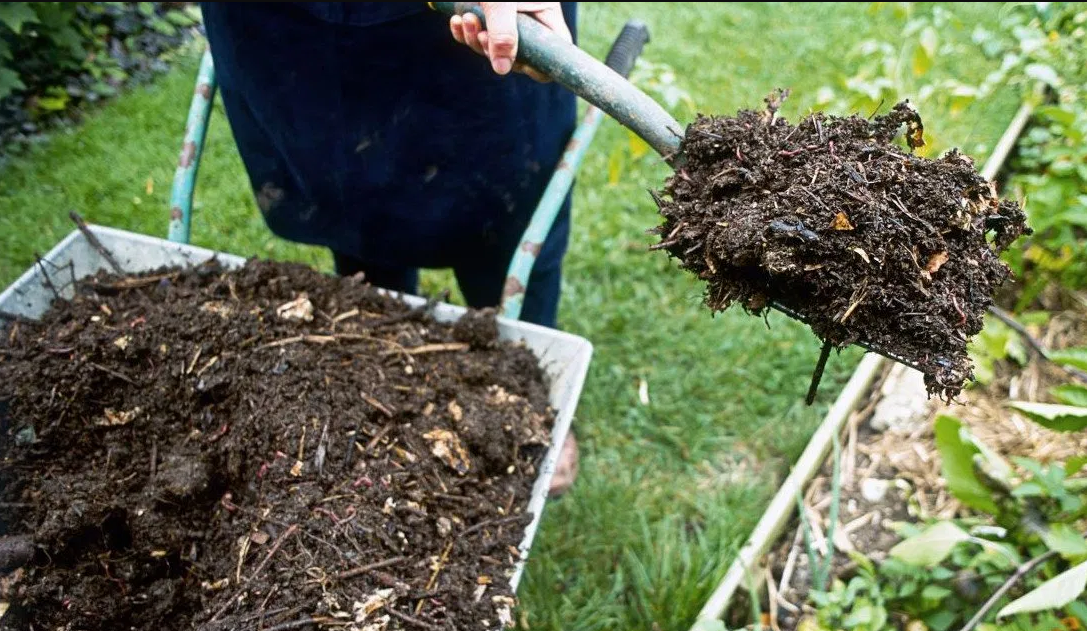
(499, 42)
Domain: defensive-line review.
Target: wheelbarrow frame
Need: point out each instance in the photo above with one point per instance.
(621, 58)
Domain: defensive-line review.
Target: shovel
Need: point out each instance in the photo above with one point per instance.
(617, 97)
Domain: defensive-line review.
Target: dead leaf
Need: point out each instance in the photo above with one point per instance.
(498, 396)
(296, 470)
(936, 261)
(116, 419)
(259, 538)
(298, 309)
(122, 342)
(158, 554)
(217, 585)
(373, 602)
(446, 446)
(150, 186)
(864, 255)
(218, 308)
(841, 222)
(429, 409)
(455, 411)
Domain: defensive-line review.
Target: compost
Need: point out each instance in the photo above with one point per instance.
(262, 448)
(832, 220)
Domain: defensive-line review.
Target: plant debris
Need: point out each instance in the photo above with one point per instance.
(831, 220)
(268, 448)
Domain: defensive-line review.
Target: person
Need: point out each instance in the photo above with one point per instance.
(401, 140)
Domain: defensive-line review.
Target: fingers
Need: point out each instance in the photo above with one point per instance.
(501, 34)
(552, 18)
(470, 31)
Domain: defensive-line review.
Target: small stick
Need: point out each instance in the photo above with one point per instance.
(1033, 342)
(275, 547)
(817, 376)
(352, 573)
(434, 576)
(154, 455)
(310, 339)
(489, 522)
(45, 277)
(377, 404)
(410, 620)
(294, 624)
(1020, 572)
(350, 448)
(93, 240)
(377, 437)
(114, 373)
(437, 348)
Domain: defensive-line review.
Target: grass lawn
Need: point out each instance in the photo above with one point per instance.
(667, 490)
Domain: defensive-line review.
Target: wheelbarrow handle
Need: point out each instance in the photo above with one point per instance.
(588, 78)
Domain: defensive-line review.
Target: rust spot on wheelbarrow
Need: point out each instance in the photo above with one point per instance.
(188, 152)
(513, 288)
(175, 213)
(204, 90)
(573, 144)
(532, 247)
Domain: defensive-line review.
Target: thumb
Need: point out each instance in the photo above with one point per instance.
(501, 34)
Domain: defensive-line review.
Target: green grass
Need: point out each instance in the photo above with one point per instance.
(669, 490)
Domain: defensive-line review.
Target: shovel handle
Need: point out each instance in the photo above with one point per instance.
(588, 78)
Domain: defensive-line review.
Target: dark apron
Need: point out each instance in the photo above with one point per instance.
(367, 129)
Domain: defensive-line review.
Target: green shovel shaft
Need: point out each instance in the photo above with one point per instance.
(587, 77)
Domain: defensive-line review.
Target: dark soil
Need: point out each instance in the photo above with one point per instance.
(270, 448)
(832, 220)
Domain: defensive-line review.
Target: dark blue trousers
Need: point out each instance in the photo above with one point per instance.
(365, 128)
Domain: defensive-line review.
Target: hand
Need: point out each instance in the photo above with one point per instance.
(499, 42)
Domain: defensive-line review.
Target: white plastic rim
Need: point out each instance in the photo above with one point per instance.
(563, 357)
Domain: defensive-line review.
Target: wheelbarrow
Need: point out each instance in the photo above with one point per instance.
(620, 59)
(563, 357)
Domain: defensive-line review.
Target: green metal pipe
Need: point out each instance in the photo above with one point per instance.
(621, 58)
(188, 163)
(588, 78)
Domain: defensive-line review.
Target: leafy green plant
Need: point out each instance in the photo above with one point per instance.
(55, 56)
(1019, 561)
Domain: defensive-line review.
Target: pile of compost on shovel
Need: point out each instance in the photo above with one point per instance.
(266, 448)
(833, 221)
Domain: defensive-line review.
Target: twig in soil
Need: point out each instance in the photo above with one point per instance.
(490, 522)
(437, 348)
(381, 407)
(1020, 572)
(93, 240)
(358, 571)
(1033, 342)
(114, 373)
(412, 620)
(309, 339)
(275, 547)
(817, 376)
(294, 624)
(322, 449)
(350, 448)
(434, 576)
(45, 277)
(377, 437)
